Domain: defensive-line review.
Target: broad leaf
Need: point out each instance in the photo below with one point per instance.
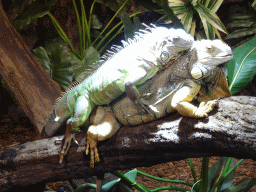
(169, 12)
(187, 20)
(132, 175)
(56, 60)
(241, 33)
(242, 186)
(242, 68)
(88, 63)
(216, 172)
(31, 12)
(214, 5)
(120, 186)
(211, 17)
(128, 26)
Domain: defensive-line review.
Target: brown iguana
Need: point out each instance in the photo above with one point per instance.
(200, 72)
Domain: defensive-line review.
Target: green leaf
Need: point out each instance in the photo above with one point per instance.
(31, 12)
(128, 26)
(214, 5)
(169, 12)
(203, 185)
(43, 58)
(85, 187)
(242, 68)
(187, 20)
(242, 186)
(96, 24)
(91, 56)
(56, 60)
(242, 23)
(131, 175)
(216, 172)
(137, 25)
(210, 17)
(241, 33)
(109, 185)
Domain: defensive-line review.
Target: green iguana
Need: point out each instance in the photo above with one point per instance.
(122, 70)
(200, 71)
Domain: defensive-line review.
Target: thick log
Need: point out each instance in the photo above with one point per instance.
(230, 130)
(34, 90)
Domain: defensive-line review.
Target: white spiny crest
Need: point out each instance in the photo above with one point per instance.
(156, 44)
(212, 52)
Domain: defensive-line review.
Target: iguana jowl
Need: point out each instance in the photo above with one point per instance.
(133, 65)
(199, 71)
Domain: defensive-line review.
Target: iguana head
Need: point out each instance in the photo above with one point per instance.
(170, 42)
(209, 54)
(212, 52)
(208, 68)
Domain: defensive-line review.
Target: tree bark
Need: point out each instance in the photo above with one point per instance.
(230, 130)
(34, 90)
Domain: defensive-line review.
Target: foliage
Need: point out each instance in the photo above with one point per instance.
(198, 14)
(218, 178)
(31, 12)
(242, 68)
(244, 22)
(114, 185)
(63, 66)
(193, 15)
(56, 61)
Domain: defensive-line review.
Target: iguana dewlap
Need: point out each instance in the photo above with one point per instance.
(122, 70)
(171, 89)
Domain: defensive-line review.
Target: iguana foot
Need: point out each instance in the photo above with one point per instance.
(69, 136)
(91, 145)
(205, 108)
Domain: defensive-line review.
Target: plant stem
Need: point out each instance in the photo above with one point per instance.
(79, 26)
(85, 29)
(109, 22)
(169, 188)
(166, 180)
(63, 35)
(192, 170)
(204, 175)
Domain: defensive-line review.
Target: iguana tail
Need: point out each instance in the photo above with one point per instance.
(52, 126)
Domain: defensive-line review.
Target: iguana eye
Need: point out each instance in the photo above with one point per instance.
(210, 49)
(176, 38)
(164, 56)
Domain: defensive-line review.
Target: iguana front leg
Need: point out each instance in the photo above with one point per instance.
(104, 126)
(182, 98)
(137, 77)
(82, 110)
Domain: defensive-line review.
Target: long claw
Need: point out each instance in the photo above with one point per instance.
(91, 145)
(67, 143)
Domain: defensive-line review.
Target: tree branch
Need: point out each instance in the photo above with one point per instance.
(35, 91)
(230, 130)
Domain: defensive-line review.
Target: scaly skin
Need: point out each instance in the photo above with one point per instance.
(121, 72)
(171, 89)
